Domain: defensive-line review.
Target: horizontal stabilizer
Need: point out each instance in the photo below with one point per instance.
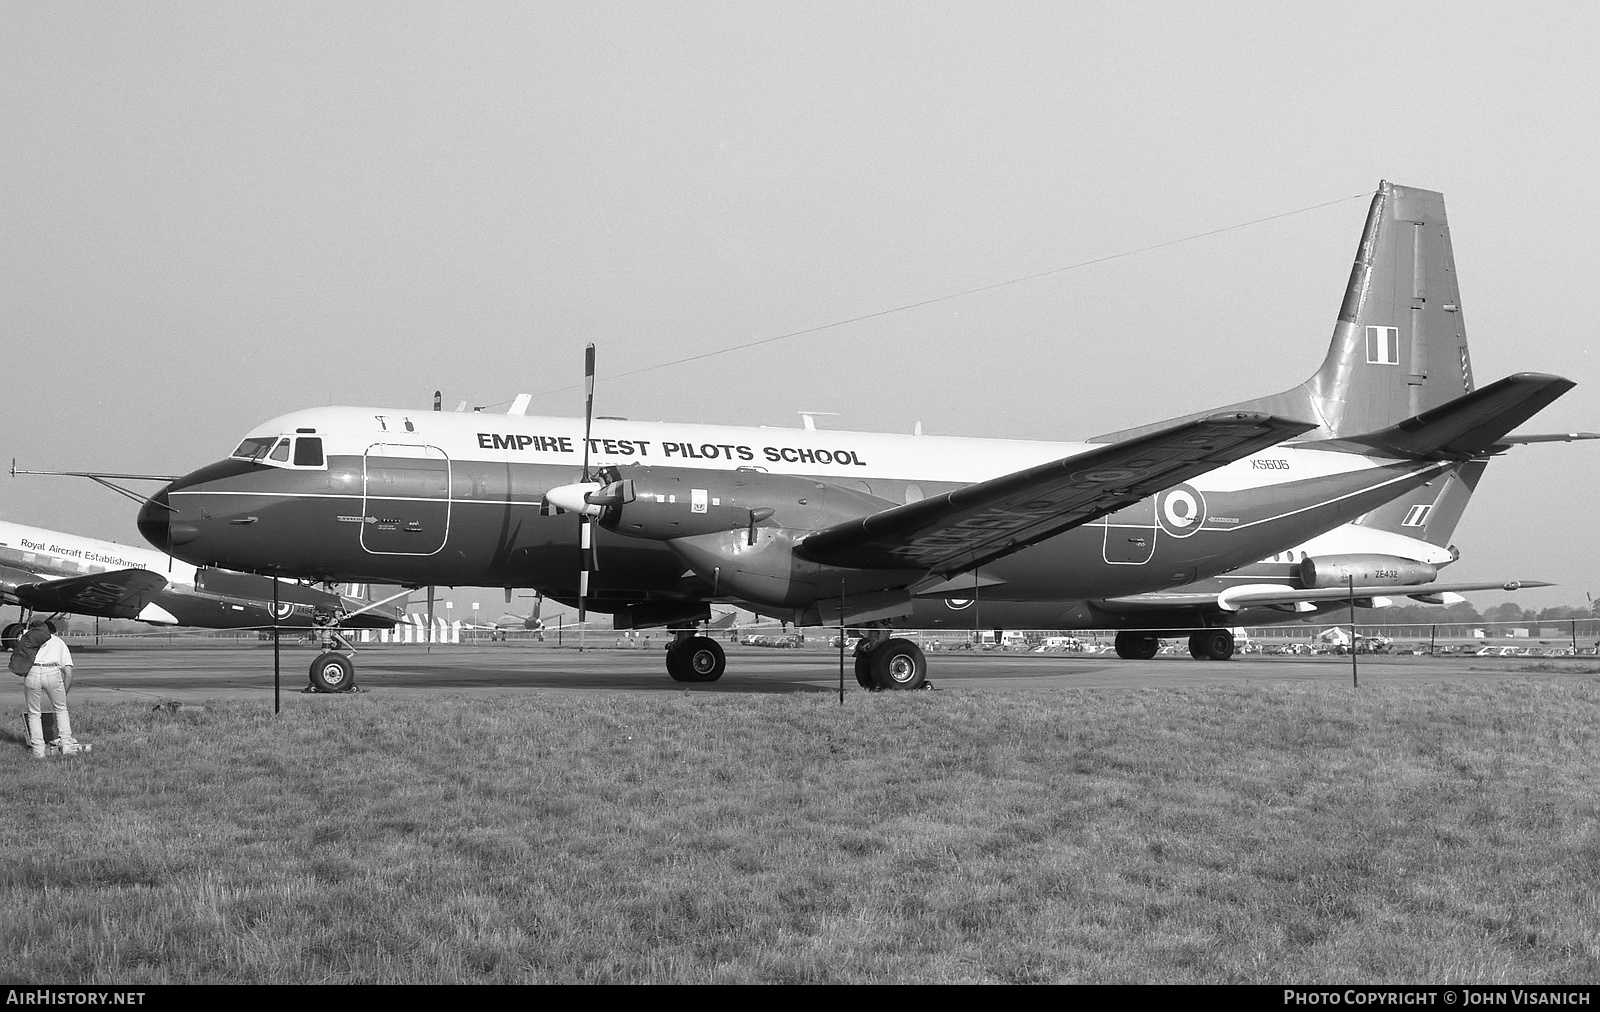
(1248, 597)
(963, 529)
(1265, 595)
(1517, 439)
(1470, 426)
(122, 593)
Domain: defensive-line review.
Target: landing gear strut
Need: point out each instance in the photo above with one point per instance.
(334, 670)
(1211, 645)
(692, 658)
(13, 632)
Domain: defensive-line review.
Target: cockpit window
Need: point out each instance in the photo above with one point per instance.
(308, 451)
(255, 447)
(276, 451)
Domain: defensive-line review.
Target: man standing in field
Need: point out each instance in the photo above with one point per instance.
(49, 678)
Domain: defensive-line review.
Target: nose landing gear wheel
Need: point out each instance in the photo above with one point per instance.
(333, 672)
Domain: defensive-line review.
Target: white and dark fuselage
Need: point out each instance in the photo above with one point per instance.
(389, 495)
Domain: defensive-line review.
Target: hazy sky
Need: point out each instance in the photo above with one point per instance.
(211, 214)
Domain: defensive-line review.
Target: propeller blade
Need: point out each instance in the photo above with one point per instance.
(430, 620)
(583, 606)
(586, 511)
(588, 404)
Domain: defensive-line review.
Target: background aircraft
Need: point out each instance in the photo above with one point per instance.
(58, 573)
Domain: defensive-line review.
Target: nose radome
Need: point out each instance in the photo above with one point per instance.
(160, 527)
(155, 520)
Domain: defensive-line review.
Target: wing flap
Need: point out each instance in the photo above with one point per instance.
(121, 593)
(964, 529)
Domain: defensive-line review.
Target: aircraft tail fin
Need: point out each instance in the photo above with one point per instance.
(1470, 426)
(1399, 345)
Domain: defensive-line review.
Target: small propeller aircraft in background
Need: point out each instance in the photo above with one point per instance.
(55, 573)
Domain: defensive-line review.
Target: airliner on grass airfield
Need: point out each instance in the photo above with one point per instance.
(653, 522)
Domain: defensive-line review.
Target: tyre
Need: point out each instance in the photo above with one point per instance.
(10, 635)
(675, 666)
(898, 664)
(864, 670)
(1211, 645)
(704, 659)
(333, 672)
(1137, 646)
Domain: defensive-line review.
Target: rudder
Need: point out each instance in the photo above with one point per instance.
(1399, 346)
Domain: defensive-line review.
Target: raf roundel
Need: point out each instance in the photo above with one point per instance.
(1181, 510)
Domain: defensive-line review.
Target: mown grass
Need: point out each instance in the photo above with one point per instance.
(1442, 832)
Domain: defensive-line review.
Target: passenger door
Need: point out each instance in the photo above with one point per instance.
(1131, 534)
(406, 490)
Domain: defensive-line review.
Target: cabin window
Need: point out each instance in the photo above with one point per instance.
(308, 451)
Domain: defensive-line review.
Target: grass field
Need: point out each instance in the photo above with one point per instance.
(1442, 832)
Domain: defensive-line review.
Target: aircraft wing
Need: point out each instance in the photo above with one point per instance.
(121, 593)
(11, 578)
(963, 529)
(1268, 595)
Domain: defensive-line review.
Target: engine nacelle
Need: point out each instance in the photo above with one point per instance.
(678, 502)
(1366, 570)
(737, 531)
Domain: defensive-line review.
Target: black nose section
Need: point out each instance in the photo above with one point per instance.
(159, 525)
(155, 519)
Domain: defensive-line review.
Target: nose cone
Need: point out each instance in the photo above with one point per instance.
(160, 525)
(155, 520)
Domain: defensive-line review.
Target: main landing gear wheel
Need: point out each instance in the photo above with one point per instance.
(696, 659)
(1211, 645)
(1137, 646)
(864, 670)
(333, 672)
(11, 634)
(898, 664)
